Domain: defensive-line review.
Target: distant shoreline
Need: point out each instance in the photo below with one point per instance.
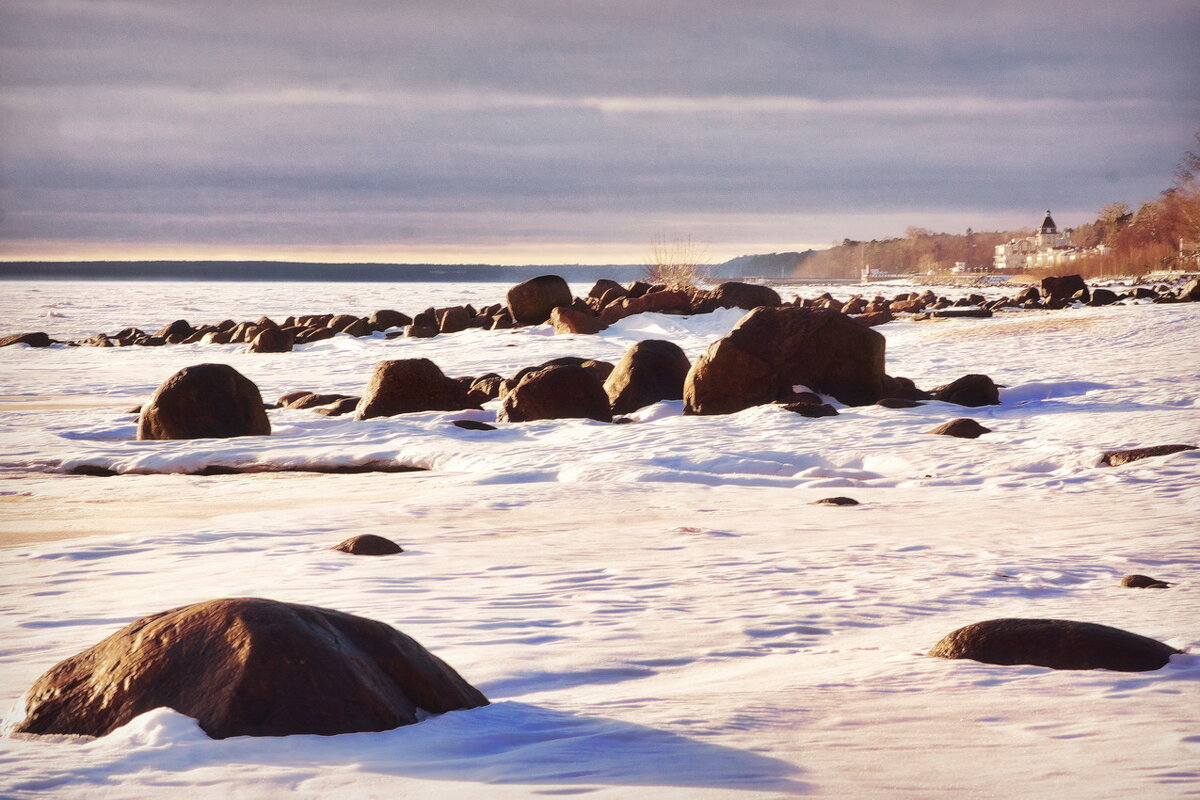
(303, 271)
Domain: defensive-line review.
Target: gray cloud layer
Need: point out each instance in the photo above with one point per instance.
(409, 124)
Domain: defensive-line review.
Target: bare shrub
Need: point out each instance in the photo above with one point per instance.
(678, 263)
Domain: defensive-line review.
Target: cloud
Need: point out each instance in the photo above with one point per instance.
(487, 122)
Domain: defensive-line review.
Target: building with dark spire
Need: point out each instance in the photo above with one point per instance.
(1047, 247)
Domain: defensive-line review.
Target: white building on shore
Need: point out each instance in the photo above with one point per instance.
(1048, 247)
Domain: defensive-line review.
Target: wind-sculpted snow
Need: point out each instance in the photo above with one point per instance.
(657, 609)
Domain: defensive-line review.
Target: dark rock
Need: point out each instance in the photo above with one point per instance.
(410, 384)
(952, 313)
(249, 667)
(898, 402)
(311, 335)
(912, 306)
(637, 289)
(1062, 288)
(1115, 458)
(530, 302)
(570, 320)
(346, 405)
(972, 391)
(812, 410)
(286, 400)
(272, 340)
(454, 319)
(416, 331)
(358, 328)
(1143, 582)
(313, 400)
(834, 501)
(1054, 643)
(487, 386)
(556, 392)
(1142, 293)
(205, 401)
(651, 371)
(473, 425)
(600, 287)
(35, 339)
(179, 327)
(733, 294)
(93, 471)
(313, 320)
(898, 386)
(772, 349)
(1103, 297)
(962, 428)
(874, 318)
(385, 319)
(368, 544)
(340, 322)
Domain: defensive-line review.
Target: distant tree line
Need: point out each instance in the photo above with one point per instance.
(1147, 240)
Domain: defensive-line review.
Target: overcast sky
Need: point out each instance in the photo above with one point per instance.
(574, 131)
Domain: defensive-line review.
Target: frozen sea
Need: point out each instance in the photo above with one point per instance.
(655, 609)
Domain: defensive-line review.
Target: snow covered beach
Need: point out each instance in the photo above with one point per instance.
(654, 609)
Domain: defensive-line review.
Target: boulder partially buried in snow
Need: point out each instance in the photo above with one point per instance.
(407, 385)
(562, 391)
(1054, 643)
(205, 401)
(972, 391)
(249, 667)
(530, 302)
(770, 350)
(651, 371)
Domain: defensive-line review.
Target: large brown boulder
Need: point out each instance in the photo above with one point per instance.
(1054, 643)
(772, 349)
(972, 391)
(272, 340)
(386, 318)
(406, 385)
(205, 401)
(562, 391)
(1060, 289)
(567, 320)
(249, 667)
(651, 371)
(35, 339)
(530, 302)
(734, 294)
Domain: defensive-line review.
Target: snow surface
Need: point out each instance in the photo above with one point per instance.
(655, 609)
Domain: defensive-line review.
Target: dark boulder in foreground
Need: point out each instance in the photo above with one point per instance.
(1143, 582)
(1054, 643)
(407, 385)
(563, 391)
(962, 428)
(969, 390)
(368, 544)
(530, 302)
(36, 339)
(249, 667)
(651, 371)
(770, 350)
(205, 401)
(1115, 458)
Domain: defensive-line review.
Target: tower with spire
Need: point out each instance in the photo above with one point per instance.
(1047, 247)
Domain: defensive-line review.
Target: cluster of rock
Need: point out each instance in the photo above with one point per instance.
(767, 354)
(548, 298)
